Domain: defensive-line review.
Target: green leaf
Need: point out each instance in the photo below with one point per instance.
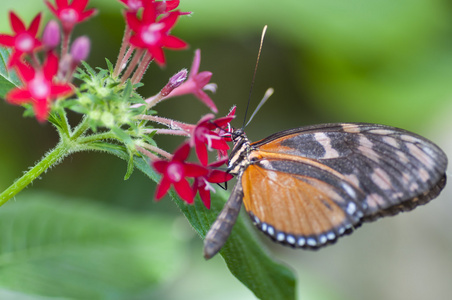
(109, 65)
(54, 247)
(8, 78)
(244, 255)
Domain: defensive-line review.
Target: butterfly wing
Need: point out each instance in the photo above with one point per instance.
(307, 186)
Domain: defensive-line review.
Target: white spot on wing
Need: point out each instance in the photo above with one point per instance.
(381, 179)
(375, 200)
(391, 141)
(409, 138)
(301, 241)
(325, 142)
(365, 146)
(290, 239)
(353, 179)
(403, 158)
(420, 155)
(350, 128)
(381, 131)
(351, 208)
(348, 189)
(423, 174)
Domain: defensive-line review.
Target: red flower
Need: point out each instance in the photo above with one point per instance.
(153, 35)
(24, 40)
(203, 134)
(226, 131)
(174, 173)
(197, 83)
(160, 7)
(71, 14)
(201, 184)
(39, 87)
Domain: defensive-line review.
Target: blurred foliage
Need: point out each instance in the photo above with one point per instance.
(376, 61)
(54, 247)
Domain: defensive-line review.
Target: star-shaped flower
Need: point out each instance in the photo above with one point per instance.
(39, 87)
(70, 14)
(160, 6)
(197, 83)
(153, 35)
(24, 40)
(202, 183)
(175, 172)
(204, 134)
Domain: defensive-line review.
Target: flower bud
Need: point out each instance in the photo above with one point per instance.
(51, 35)
(80, 49)
(174, 82)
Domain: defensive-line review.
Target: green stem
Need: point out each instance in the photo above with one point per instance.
(50, 159)
(81, 128)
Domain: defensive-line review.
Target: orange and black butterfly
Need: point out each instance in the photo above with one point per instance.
(308, 186)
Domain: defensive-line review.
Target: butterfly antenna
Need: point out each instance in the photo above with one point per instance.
(254, 75)
(267, 95)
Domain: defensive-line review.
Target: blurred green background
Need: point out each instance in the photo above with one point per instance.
(378, 61)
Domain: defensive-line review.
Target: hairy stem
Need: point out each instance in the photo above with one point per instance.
(50, 159)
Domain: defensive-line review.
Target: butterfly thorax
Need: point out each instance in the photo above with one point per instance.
(239, 157)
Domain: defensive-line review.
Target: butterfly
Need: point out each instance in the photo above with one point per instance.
(308, 186)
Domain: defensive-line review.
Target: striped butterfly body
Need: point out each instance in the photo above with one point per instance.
(306, 187)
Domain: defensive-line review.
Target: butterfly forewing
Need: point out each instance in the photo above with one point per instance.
(307, 186)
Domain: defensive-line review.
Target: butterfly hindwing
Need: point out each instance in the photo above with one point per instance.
(332, 177)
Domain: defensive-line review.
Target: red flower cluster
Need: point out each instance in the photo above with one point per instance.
(40, 86)
(44, 82)
(206, 135)
(152, 30)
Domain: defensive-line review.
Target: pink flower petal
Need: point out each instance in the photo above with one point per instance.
(181, 154)
(205, 197)
(50, 66)
(7, 40)
(133, 21)
(60, 90)
(148, 13)
(173, 42)
(201, 152)
(25, 71)
(172, 4)
(223, 121)
(162, 188)
(160, 165)
(41, 109)
(217, 176)
(219, 144)
(194, 170)
(62, 4)
(170, 20)
(16, 23)
(157, 54)
(195, 64)
(87, 14)
(219, 162)
(18, 96)
(185, 192)
(206, 100)
(79, 5)
(34, 26)
(203, 78)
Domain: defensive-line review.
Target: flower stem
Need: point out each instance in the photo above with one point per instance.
(50, 159)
